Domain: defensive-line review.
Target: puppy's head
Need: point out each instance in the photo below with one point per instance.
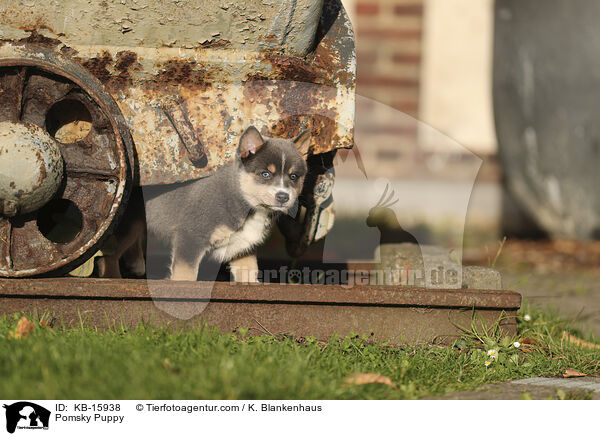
(272, 169)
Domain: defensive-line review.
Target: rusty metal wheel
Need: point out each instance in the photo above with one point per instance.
(66, 162)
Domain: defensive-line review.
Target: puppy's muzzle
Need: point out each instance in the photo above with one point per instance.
(282, 197)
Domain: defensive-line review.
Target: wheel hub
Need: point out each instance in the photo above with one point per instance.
(31, 168)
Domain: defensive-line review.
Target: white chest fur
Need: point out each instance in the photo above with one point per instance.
(254, 231)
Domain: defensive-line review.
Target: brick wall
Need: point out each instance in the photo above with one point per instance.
(388, 47)
(388, 39)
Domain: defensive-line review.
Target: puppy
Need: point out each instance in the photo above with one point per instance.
(228, 214)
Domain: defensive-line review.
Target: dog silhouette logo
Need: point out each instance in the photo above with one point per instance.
(26, 415)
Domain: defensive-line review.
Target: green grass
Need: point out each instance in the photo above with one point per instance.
(153, 363)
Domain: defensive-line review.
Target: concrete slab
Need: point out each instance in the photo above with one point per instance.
(537, 388)
(591, 384)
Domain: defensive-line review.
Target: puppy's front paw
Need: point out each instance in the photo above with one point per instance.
(244, 269)
(241, 275)
(181, 271)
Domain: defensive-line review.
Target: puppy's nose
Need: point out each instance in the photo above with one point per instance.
(282, 197)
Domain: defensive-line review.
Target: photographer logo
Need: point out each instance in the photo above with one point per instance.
(26, 415)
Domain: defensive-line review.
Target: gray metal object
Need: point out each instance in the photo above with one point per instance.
(545, 102)
(395, 314)
(295, 25)
(290, 24)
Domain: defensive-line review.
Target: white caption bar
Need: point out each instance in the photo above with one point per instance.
(23, 417)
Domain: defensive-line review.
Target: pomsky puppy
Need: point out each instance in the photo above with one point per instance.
(227, 214)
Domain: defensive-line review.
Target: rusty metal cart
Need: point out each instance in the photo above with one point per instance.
(98, 97)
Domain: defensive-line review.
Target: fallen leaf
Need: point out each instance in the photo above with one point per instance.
(24, 327)
(569, 373)
(579, 342)
(46, 324)
(368, 378)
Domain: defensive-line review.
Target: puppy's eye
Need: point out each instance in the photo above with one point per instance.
(265, 175)
(293, 176)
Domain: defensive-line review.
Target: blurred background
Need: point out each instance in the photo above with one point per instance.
(481, 117)
(506, 85)
(430, 60)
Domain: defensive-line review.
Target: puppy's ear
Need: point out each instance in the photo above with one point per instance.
(302, 142)
(250, 142)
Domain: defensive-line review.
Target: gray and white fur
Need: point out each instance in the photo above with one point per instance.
(228, 214)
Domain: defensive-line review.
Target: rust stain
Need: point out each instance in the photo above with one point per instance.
(115, 73)
(126, 61)
(37, 39)
(98, 66)
(299, 99)
(288, 126)
(39, 25)
(26, 19)
(254, 89)
(321, 127)
(325, 128)
(42, 168)
(257, 77)
(293, 69)
(189, 74)
(328, 58)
